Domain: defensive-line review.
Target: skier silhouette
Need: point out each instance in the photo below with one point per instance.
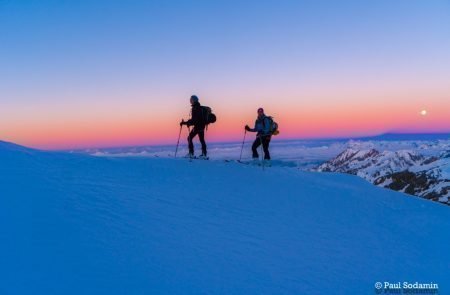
(263, 134)
(198, 121)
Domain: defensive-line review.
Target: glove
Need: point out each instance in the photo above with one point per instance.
(182, 123)
(247, 128)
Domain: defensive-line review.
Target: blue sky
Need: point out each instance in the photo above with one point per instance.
(62, 60)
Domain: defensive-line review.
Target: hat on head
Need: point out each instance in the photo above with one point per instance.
(194, 98)
(260, 110)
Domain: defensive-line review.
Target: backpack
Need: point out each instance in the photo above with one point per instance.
(208, 116)
(273, 126)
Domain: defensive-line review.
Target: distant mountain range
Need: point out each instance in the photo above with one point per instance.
(410, 171)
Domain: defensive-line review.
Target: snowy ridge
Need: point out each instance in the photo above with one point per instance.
(77, 224)
(403, 170)
(8, 147)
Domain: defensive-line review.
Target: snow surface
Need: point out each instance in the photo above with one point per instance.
(77, 224)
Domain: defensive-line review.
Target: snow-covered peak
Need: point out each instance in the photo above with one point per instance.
(400, 160)
(352, 155)
(395, 160)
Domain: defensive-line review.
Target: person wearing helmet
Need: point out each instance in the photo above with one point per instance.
(197, 120)
(263, 135)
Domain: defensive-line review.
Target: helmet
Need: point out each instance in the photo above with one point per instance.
(194, 98)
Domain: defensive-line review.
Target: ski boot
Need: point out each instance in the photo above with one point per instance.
(203, 157)
(189, 156)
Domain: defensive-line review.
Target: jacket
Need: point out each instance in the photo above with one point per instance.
(197, 117)
(262, 126)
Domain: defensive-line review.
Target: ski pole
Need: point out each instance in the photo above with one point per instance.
(262, 152)
(189, 136)
(242, 147)
(178, 142)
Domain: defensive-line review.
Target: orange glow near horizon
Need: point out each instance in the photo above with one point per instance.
(97, 129)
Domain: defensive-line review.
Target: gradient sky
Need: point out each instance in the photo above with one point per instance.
(94, 73)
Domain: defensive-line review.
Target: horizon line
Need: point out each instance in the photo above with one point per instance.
(282, 139)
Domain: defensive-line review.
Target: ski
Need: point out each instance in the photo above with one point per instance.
(198, 158)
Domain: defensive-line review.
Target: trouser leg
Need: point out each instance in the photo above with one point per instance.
(201, 136)
(191, 136)
(255, 146)
(266, 142)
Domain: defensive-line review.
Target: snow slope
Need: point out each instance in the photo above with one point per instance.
(77, 224)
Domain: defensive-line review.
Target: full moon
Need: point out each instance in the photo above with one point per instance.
(423, 112)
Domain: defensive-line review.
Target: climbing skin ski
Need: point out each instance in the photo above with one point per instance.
(198, 158)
